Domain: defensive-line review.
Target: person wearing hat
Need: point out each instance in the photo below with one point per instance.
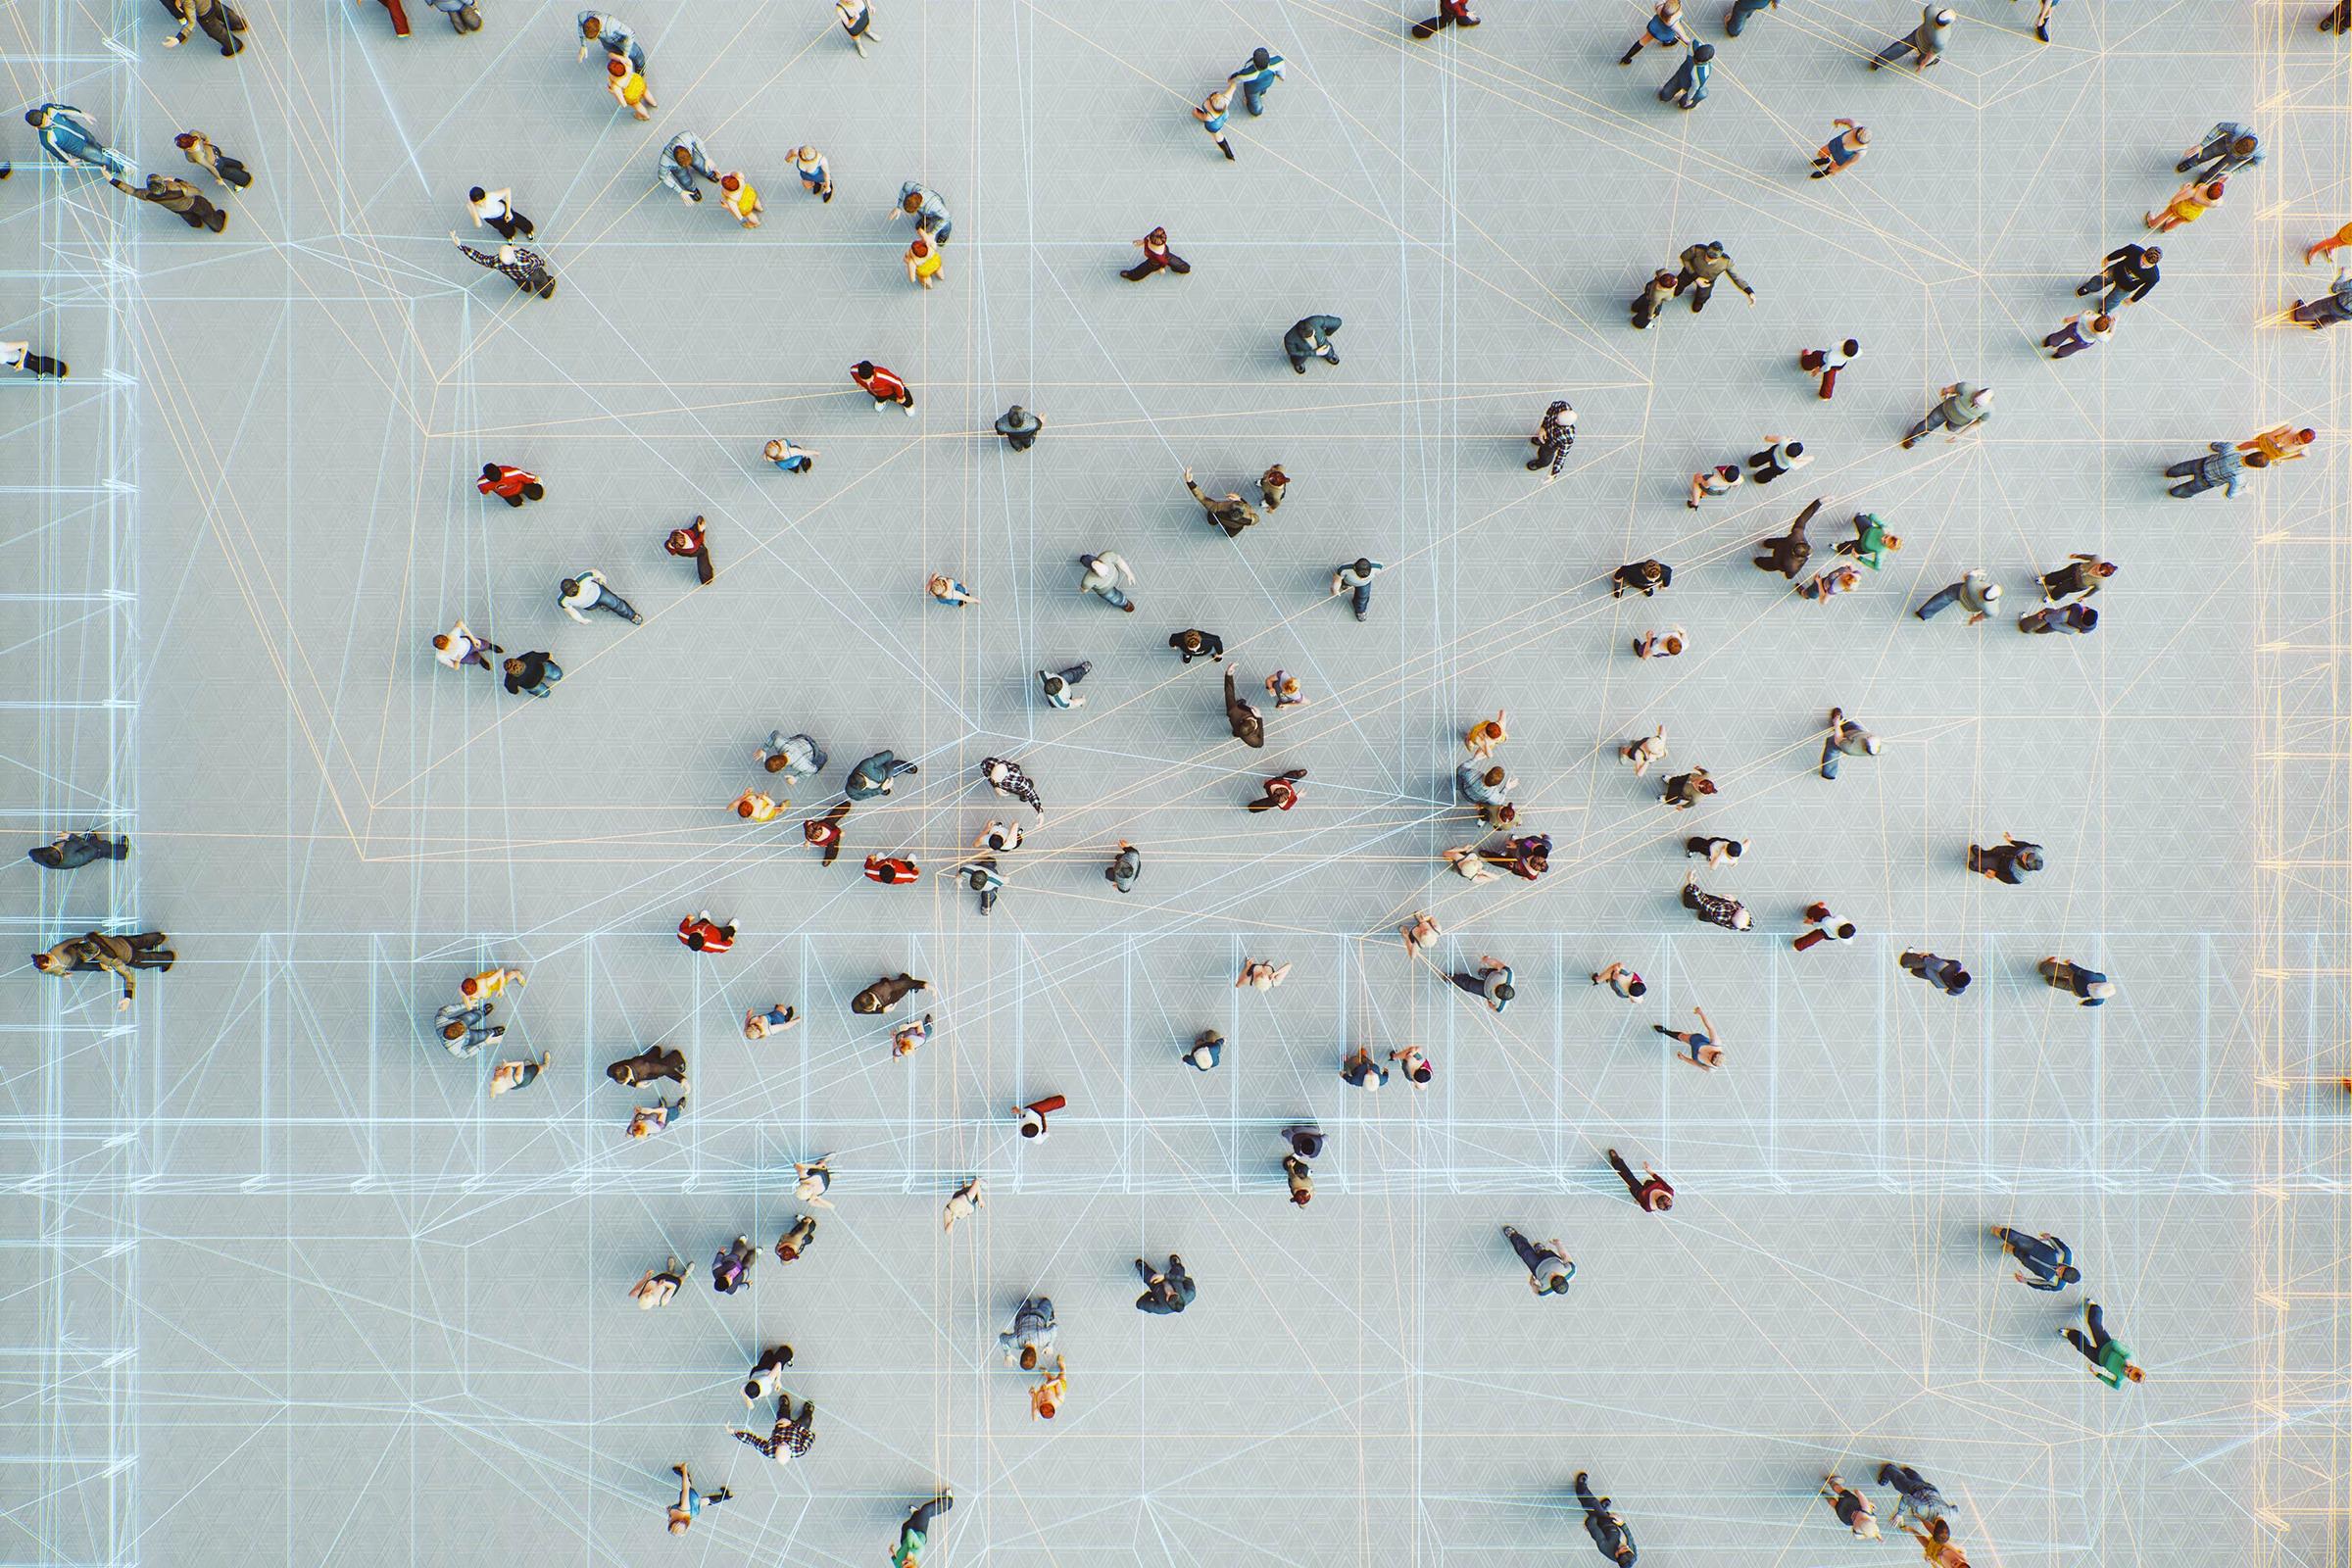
(1492, 983)
(816, 176)
(1846, 739)
(2009, 861)
(1019, 428)
(1687, 89)
(1257, 78)
(1976, 592)
(2064, 974)
(1358, 575)
(1927, 41)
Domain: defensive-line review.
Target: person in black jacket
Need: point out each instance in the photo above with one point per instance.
(1609, 1531)
(1788, 553)
(68, 851)
(1197, 644)
(1646, 576)
(2006, 861)
(532, 674)
(2130, 273)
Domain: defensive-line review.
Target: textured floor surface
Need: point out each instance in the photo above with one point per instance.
(287, 1287)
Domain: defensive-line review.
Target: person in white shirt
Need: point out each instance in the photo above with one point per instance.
(20, 357)
(589, 591)
(458, 647)
(496, 210)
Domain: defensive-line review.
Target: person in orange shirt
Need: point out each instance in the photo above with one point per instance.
(2280, 443)
(1937, 1545)
(2328, 246)
(754, 807)
(490, 983)
(1047, 1395)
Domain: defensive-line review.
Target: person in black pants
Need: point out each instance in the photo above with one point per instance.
(1019, 428)
(71, 851)
(2048, 1260)
(1945, 974)
(1457, 13)
(2130, 273)
(1555, 434)
(1157, 255)
(1197, 644)
(1609, 1531)
(2335, 19)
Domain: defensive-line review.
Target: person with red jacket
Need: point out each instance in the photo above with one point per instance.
(883, 385)
(1450, 14)
(824, 832)
(891, 869)
(1281, 792)
(512, 485)
(693, 543)
(705, 935)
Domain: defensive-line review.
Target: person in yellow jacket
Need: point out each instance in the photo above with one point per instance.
(738, 196)
(2188, 204)
(629, 89)
(923, 262)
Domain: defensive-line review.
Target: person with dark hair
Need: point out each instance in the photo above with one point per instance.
(510, 484)
(1652, 1193)
(1360, 1072)
(983, 878)
(1156, 255)
(2009, 861)
(1194, 643)
(882, 384)
(2224, 150)
(885, 994)
(1355, 578)
(95, 952)
(1549, 1266)
(1713, 849)
(1823, 363)
(464, 15)
(1921, 1502)
(794, 1241)
(1687, 89)
(1019, 428)
(2094, 989)
(731, 1266)
(532, 674)
(1010, 782)
(1059, 685)
(1608, 1530)
(1703, 267)
(2330, 309)
(1653, 300)
(2082, 574)
(220, 23)
(1699, 1045)
(20, 357)
(1844, 739)
(1555, 433)
(2050, 1263)
(2337, 19)
(67, 135)
(1852, 1509)
(199, 150)
(824, 832)
(1166, 1291)
(1622, 980)
(766, 1372)
(1788, 553)
(654, 1062)
(1457, 13)
(702, 934)
(1821, 925)
(1279, 793)
(1492, 983)
(1414, 1062)
(1249, 726)
(70, 851)
(1778, 457)
(1964, 406)
(1124, 867)
(588, 590)
(1031, 1336)
(1257, 78)
(1945, 974)
(1646, 578)
(2084, 329)
(1735, 18)
(495, 209)
(1309, 338)
(519, 264)
(2127, 275)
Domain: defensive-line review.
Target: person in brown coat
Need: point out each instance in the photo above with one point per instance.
(886, 992)
(175, 195)
(95, 951)
(1788, 553)
(657, 1062)
(1242, 720)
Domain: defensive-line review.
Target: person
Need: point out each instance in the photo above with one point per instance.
(532, 674)
(1663, 25)
(464, 15)
(1300, 1177)
(1702, 267)
(2050, 1263)
(1450, 14)
(883, 385)
(1846, 739)
(495, 209)
(512, 1075)
(1830, 584)
(683, 157)
(1871, 540)
(69, 852)
(924, 259)
(2128, 273)
(1166, 1291)
(816, 176)
(1825, 364)
(1622, 980)
(1248, 725)
(778, 1017)
(1644, 577)
(2330, 309)
(1194, 643)
(2282, 443)
(2337, 19)
(1778, 457)
(1687, 89)
(2328, 247)
(1059, 685)
(1652, 1193)
(1355, 578)
(2084, 329)
(2222, 469)
(1699, 1045)
(1492, 983)
(1156, 255)
(2082, 574)
(588, 590)
(1788, 553)
(1853, 1510)
(922, 203)
(1204, 1052)
(647, 1121)
(491, 983)
(1257, 78)
(1481, 738)
(1654, 645)
(691, 1503)
(892, 870)
(1019, 428)
(2224, 150)
(20, 357)
(67, 135)
(983, 878)
(2073, 620)
(1555, 433)
(220, 23)
(1309, 338)
(1735, 18)
(1976, 592)
(629, 88)
(790, 458)
(946, 590)
(964, 1200)
(1259, 976)
(699, 933)
(812, 1180)
(1415, 1064)
(1964, 408)
(1548, 1267)
(1007, 779)
(1823, 926)
(1031, 1337)
(791, 1437)
(1125, 867)
(1925, 43)
(1608, 1530)
(731, 1266)
(1840, 153)
(601, 30)
(1715, 908)
(741, 199)
(519, 264)
(824, 832)
(659, 1287)
(795, 756)
(462, 1028)
(1104, 571)
(877, 774)
(1682, 791)
(1945, 974)
(2042, 19)
(653, 1063)
(175, 195)
(1466, 860)
(1360, 1072)
(885, 994)
(1212, 111)
(2188, 204)
(1714, 851)
(199, 150)
(1920, 1503)
(1272, 487)
(515, 486)
(2094, 989)
(1482, 785)
(2009, 861)
(857, 18)
(1652, 299)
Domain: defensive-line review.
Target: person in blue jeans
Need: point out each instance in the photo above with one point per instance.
(532, 674)
(67, 135)
(1357, 574)
(691, 1503)
(1257, 78)
(1549, 1269)
(2064, 974)
(877, 775)
(1742, 10)
(1492, 982)
(794, 756)
(461, 1029)
(2050, 1263)
(1057, 683)
(588, 590)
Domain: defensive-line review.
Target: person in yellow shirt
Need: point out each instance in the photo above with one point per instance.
(489, 983)
(628, 88)
(2188, 204)
(2282, 443)
(923, 262)
(737, 195)
(1049, 1393)
(754, 806)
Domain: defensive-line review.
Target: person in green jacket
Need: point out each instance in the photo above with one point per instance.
(914, 1536)
(2110, 1358)
(1871, 540)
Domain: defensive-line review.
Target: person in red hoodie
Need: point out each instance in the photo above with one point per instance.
(1281, 792)
(890, 869)
(882, 385)
(824, 832)
(512, 485)
(705, 935)
(693, 543)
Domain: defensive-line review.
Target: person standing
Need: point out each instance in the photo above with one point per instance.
(1059, 685)
(816, 176)
(463, 1029)
(199, 150)
(1300, 1177)
(67, 135)
(1778, 457)
(2094, 989)
(1212, 111)
(2110, 1358)
(1309, 338)
(1609, 1531)
(946, 590)
(1645, 577)
(1031, 1337)
(509, 1076)
(1964, 408)
(683, 157)
(1871, 540)
(1010, 782)
(510, 484)
(699, 933)
(791, 1437)
(1555, 434)
(1652, 299)
(2011, 860)
(1457, 13)
(1204, 1052)
(601, 30)
(1356, 577)
(532, 674)
(659, 1287)
(1622, 980)
(1549, 1266)
(1945, 974)
(2084, 329)
(2048, 1262)
(1851, 1508)
(924, 261)
(2225, 150)
(2128, 273)
(886, 992)
(693, 543)
(790, 458)
(824, 832)
(1684, 790)
(70, 851)
(1925, 42)
(883, 385)
(1104, 571)
(495, 209)
(220, 23)
(1156, 255)
(588, 590)
(1652, 1193)
(1919, 1500)
(1716, 909)
(741, 198)
(1846, 739)
(1704, 267)
(1125, 867)
(2223, 469)
(877, 774)
(1165, 1291)
(2282, 443)
(766, 1372)
(1272, 487)
(629, 89)
(1232, 514)
(922, 203)
(796, 757)
(1245, 721)
(1360, 1072)
(1976, 592)
(1687, 89)
(2337, 19)
(1257, 78)
(1019, 428)
(1841, 152)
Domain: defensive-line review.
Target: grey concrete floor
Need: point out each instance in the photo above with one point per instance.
(298, 1292)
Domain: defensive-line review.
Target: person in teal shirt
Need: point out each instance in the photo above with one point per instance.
(2110, 1358)
(1257, 78)
(914, 1536)
(1869, 541)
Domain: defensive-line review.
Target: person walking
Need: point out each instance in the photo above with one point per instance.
(659, 1287)
(629, 89)
(693, 543)
(1061, 685)
(1654, 645)
(2082, 574)
(1778, 457)
(655, 1063)
(1279, 793)
(1360, 1072)
(1699, 1045)
(1871, 540)
(1652, 1193)
(1204, 1052)
(199, 150)
(1703, 267)
(1010, 782)
(601, 30)
(2224, 150)
(1257, 78)
(2189, 202)
(1684, 790)
(1482, 785)
(2282, 443)
(1609, 1531)
(1156, 255)
(1715, 908)
(1735, 18)
(2128, 274)
(1104, 571)
(67, 135)
(691, 1503)
(95, 951)
(946, 590)
(1919, 1503)
(1300, 1177)
(813, 1180)
(2330, 309)
(767, 1372)
(2084, 329)
(1272, 487)
(2093, 989)
(1788, 553)
(878, 774)
(1852, 1509)
(2048, 1262)
(1457, 13)
(789, 458)
(1841, 152)
(824, 832)
(1167, 1291)
(1125, 867)
(1687, 89)
(924, 261)
(930, 213)
(797, 756)
(1309, 338)
(532, 674)
(741, 199)
(1492, 983)
(1031, 1337)
(1823, 926)
(1212, 111)
(1964, 408)
(221, 23)
(1823, 363)
(519, 264)
(2328, 247)
(1622, 980)
(588, 590)
(1232, 514)
(1355, 578)
(1652, 299)
(515, 486)
(915, 1533)
(1555, 433)
(2110, 1358)
(2337, 19)
(20, 357)
(774, 1019)
(1945, 974)
(856, 19)
(1481, 738)
(1830, 584)
(2222, 469)
(70, 851)
(2011, 860)
(1846, 739)
(883, 385)
(1976, 592)
(494, 210)
(1665, 26)
(791, 1437)
(1714, 851)
(177, 196)
(510, 1076)
(462, 1027)
(817, 175)
(1923, 44)
(699, 933)
(683, 159)
(1019, 428)
(1549, 1266)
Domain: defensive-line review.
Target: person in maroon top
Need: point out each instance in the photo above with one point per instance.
(890, 869)
(1654, 1194)
(1281, 792)
(1157, 255)
(693, 543)
(705, 935)
(514, 486)
(824, 832)
(1450, 14)
(882, 385)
